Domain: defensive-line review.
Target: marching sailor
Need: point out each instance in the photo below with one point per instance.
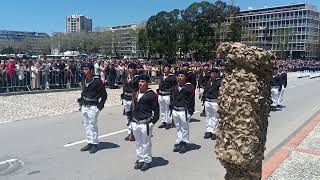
(202, 81)
(276, 87)
(130, 87)
(167, 82)
(182, 106)
(210, 98)
(283, 84)
(145, 113)
(92, 101)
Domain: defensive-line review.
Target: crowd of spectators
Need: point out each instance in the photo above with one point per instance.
(27, 74)
(23, 74)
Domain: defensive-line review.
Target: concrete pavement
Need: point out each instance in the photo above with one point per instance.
(298, 158)
(36, 147)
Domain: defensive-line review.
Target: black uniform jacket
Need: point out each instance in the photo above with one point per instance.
(203, 79)
(129, 87)
(167, 84)
(211, 90)
(276, 81)
(183, 98)
(192, 78)
(94, 92)
(147, 106)
(284, 79)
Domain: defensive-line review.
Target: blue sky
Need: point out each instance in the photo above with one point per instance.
(49, 16)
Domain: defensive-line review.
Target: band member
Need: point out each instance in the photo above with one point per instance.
(130, 87)
(202, 81)
(145, 113)
(167, 82)
(92, 101)
(210, 98)
(182, 106)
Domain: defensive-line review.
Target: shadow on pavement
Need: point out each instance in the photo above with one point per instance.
(159, 161)
(107, 145)
(192, 147)
(192, 120)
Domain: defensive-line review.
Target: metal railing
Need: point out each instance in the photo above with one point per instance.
(53, 79)
(40, 80)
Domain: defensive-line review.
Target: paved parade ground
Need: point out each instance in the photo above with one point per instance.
(46, 145)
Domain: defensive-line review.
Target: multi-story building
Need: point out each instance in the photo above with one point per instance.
(291, 31)
(78, 23)
(16, 38)
(124, 39)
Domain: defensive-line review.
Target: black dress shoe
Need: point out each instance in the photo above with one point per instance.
(177, 147)
(183, 148)
(213, 137)
(138, 165)
(207, 135)
(203, 114)
(126, 138)
(87, 147)
(168, 126)
(145, 166)
(130, 137)
(163, 125)
(94, 149)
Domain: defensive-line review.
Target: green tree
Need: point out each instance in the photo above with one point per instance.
(235, 30)
(163, 34)
(143, 41)
(281, 38)
(201, 16)
(198, 29)
(185, 31)
(8, 50)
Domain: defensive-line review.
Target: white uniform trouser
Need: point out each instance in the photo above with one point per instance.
(307, 73)
(164, 102)
(90, 120)
(201, 91)
(212, 116)
(143, 141)
(182, 125)
(127, 108)
(312, 74)
(274, 95)
(280, 96)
